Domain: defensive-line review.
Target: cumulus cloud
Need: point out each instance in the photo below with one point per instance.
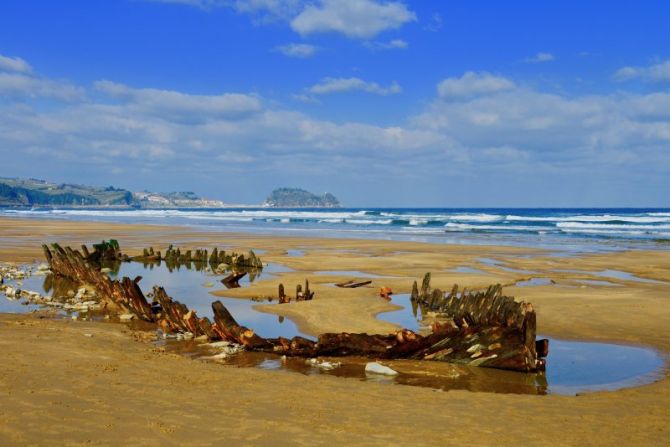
(540, 57)
(471, 84)
(656, 73)
(299, 50)
(338, 85)
(14, 64)
(357, 19)
(394, 44)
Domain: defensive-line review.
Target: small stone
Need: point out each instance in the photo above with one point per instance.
(105, 270)
(376, 368)
(208, 284)
(88, 335)
(126, 317)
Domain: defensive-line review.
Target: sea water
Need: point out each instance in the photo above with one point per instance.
(568, 230)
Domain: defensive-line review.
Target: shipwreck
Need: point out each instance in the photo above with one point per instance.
(477, 328)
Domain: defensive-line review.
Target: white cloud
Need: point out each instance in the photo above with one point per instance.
(20, 85)
(540, 57)
(268, 10)
(477, 126)
(357, 19)
(338, 85)
(659, 72)
(626, 73)
(299, 50)
(14, 64)
(471, 84)
(394, 44)
(179, 106)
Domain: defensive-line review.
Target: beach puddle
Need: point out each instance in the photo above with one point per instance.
(572, 366)
(463, 269)
(500, 265)
(294, 253)
(534, 282)
(614, 274)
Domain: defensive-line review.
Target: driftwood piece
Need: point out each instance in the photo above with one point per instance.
(484, 328)
(352, 284)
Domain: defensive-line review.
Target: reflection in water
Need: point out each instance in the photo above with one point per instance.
(437, 375)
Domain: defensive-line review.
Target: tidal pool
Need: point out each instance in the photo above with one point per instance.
(463, 269)
(572, 366)
(534, 282)
(500, 265)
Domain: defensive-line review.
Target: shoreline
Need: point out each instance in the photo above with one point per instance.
(111, 363)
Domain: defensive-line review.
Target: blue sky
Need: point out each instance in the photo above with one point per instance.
(387, 103)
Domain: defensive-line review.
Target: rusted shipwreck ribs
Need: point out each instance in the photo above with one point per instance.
(486, 329)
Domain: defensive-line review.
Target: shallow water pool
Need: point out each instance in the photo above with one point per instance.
(572, 366)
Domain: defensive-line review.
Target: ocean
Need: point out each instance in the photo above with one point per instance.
(579, 230)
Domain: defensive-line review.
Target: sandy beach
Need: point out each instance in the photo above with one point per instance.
(71, 382)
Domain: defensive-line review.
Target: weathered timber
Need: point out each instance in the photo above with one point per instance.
(483, 328)
(282, 295)
(511, 321)
(175, 257)
(352, 284)
(232, 281)
(300, 294)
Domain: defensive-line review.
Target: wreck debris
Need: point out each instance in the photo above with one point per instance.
(175, 257)
(352, 284)
(232, 281)
(300, 294)
(385, 292)
(483, 328)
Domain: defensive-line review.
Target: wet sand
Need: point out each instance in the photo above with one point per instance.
(59, 386)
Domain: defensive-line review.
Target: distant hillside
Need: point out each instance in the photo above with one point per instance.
(299, 198)
(33, 192)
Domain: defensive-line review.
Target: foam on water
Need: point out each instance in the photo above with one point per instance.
(586, 229)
